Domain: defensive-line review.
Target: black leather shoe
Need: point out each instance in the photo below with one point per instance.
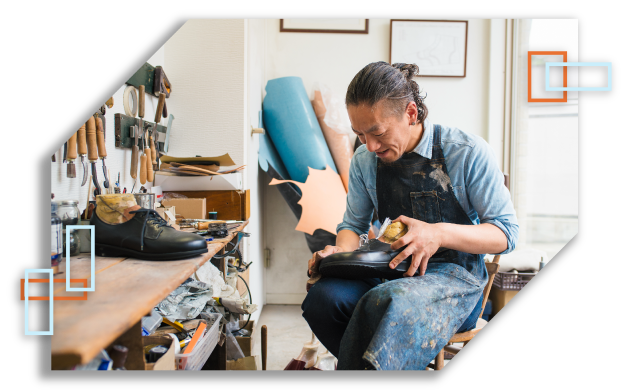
(371, 260)
(146, 236)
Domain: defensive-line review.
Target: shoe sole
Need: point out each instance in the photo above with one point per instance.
(115, 251)
(363, 269)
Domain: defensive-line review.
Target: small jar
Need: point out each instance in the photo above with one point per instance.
(75, 242)
(56, 237)
(69, 214)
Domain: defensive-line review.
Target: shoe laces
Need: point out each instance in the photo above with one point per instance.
(150, 216)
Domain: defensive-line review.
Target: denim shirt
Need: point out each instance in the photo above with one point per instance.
(477, 181)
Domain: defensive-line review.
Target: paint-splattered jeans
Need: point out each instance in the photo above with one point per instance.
(398, 325)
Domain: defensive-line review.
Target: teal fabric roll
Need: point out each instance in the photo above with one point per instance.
(290, 121)
(268, 155)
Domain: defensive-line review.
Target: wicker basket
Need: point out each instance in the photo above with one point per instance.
(512, 281)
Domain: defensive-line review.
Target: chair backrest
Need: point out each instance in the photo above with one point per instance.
(492, 269)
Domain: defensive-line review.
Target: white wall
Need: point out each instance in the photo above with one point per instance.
(334, 59)
(205, 62)
(118, 159)
(255, 54)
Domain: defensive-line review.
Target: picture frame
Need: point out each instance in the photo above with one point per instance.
(438, 47)
(335, 26)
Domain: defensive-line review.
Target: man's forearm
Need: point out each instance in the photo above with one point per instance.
(347, 240)
(476, 239)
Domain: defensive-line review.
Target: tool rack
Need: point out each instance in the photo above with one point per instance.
(126, 289)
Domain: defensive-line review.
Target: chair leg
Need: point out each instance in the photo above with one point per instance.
(439, 360)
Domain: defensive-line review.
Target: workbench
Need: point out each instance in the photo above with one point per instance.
(126, 289)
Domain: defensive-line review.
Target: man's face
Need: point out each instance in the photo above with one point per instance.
(384, 133)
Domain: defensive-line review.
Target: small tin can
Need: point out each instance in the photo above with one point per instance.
(145, 200)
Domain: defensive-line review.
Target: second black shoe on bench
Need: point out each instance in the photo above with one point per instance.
(371, 260)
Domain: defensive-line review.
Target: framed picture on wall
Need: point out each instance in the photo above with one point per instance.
(345, 26)
(438, 47)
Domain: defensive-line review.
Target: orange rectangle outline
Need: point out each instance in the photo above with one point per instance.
(72, 298)
(546, 53)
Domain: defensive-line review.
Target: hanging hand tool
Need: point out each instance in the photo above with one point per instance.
(71, 156)
(162, 85)
(101, 149)
(137, 130)
(93, 155)
(83, 150)
(134, 166)
(153, 136)
(143, 164)
(154, 163)
(150, 166)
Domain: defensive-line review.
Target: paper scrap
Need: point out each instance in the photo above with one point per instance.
(224, 160)
(323, 201)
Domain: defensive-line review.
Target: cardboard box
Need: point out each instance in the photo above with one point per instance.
(188, 208)
(168, 360)
(241, 287)
(245, 363)
(170, 216)
(229, 205)
(247, 344)
(500, 298)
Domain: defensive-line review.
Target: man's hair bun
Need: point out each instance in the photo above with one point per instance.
(408, 70)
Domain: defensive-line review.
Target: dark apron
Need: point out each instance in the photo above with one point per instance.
(404, 323)
(420, 188)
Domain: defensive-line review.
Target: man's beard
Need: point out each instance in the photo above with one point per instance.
(389, 162)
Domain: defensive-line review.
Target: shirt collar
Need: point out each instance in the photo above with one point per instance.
(424, 148)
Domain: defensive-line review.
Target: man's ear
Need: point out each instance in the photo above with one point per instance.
(411, 112)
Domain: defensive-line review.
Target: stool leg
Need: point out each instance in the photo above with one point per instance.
(264, 347)
(439, 360)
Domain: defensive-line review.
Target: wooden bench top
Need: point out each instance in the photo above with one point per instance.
(126, 289)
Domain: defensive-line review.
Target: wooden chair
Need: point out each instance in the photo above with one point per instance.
(465, 337)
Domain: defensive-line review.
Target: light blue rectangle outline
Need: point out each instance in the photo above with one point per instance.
(79, 227)
(50, 301)
(554, 64)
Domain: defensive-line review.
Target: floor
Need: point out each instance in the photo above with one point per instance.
(287, 331)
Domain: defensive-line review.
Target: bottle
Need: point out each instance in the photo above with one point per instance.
(118, 354)
(56, 245)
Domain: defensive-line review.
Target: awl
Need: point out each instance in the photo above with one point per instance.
(102, 151)
(93, 156)
(83, 150)
(71, 155)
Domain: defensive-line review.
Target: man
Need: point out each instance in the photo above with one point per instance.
(445, 185)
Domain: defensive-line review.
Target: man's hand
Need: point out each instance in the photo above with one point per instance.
(423, 240)
(318, 256)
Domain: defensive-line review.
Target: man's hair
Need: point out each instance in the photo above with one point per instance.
(393, 83)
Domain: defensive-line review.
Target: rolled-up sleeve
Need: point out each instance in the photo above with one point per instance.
(359, 211)
(487, 193)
